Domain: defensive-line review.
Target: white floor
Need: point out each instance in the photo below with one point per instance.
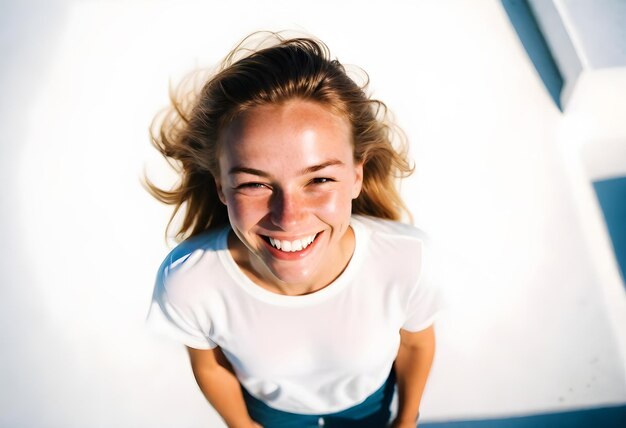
(536, 312)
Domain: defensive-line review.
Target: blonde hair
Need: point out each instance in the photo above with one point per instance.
(187, 134)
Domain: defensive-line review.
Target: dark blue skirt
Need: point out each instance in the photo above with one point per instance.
(374, 412)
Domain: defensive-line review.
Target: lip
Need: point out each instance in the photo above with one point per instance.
(296, 255)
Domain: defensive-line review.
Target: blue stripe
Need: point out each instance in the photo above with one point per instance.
(606, 417)
(536, 47)
(612, 198)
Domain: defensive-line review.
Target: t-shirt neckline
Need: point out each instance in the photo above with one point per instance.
(342, 281)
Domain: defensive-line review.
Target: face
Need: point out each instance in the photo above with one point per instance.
(288, 177)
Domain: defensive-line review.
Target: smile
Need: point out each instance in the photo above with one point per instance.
(292, 246)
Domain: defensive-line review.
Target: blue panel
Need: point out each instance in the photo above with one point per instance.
(532, 39)
(612, 197)
(608, 417)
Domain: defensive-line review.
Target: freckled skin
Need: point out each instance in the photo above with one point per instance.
(271, 194)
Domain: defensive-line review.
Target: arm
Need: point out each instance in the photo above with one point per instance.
(412, 366)
(218, 383)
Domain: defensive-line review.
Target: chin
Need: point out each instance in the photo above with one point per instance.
(294, 279)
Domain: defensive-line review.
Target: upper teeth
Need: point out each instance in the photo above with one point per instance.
(292, 246)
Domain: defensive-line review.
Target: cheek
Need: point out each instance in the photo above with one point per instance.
(244, 210)
(333, 204)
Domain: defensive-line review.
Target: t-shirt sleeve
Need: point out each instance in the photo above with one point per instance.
(425, 300)
(172, 314)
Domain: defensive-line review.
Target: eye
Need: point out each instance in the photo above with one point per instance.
(252, 186)
(322, 180)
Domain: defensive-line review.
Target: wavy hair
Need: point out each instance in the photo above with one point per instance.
(275, 71)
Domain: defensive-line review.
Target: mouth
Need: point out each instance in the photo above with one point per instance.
(294, 246)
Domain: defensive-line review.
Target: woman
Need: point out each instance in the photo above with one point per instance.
(301, 298)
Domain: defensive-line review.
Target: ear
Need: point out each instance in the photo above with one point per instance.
(358, 180)
(220, 191)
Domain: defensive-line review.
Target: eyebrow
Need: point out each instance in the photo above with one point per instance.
(308, 170)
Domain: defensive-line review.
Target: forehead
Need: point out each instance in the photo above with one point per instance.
(298, 127)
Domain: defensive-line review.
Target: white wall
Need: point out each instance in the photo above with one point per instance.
(528, 326)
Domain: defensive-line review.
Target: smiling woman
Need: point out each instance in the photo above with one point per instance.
(301, 298)
(288, 178)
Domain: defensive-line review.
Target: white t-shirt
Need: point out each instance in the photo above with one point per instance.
(312, 354)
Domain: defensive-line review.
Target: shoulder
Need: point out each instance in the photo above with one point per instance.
(185, 289)
(190, 259)
(405, 257)
(401, 250)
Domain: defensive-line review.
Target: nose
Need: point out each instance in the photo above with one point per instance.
(287, 209)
